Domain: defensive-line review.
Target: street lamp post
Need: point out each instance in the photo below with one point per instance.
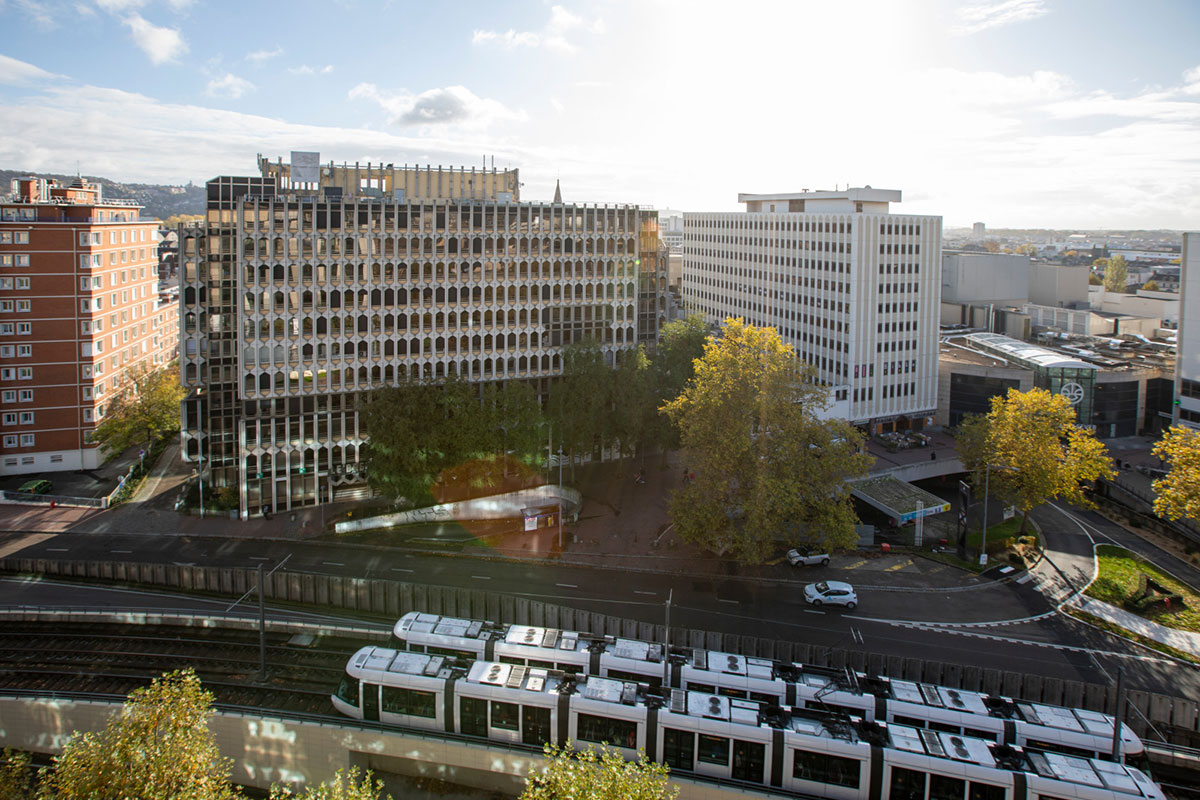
(987, 474)
(200, 456)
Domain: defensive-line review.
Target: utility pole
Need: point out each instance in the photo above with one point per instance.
(667, 644)
(1120, 712)
(262, 628)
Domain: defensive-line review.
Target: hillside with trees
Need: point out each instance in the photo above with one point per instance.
(159, 200)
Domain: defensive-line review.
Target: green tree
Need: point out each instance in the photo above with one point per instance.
(1095, 280)
(764, 462)
(597, 774)
(680, 343)
(16, 775)
(579, 400)
(1150, 285)
(157, 747)
(145, 409)
(343, 786)
(513, 420)
(1178, 494)
(1116, 274)
(634, 403)
(418, 430)
(1035, 450)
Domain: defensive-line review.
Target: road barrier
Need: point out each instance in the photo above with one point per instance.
(1174, 718)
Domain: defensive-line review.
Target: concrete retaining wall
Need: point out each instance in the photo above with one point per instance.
(391, 599)
(267, 750)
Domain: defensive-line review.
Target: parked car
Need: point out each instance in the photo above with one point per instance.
(836, 593)
(803, 557)
(36, 486)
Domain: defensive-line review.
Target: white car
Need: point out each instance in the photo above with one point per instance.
(836, 593)
(807, 558)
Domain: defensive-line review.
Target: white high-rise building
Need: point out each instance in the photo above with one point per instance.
(855, 288)
(1187, 340)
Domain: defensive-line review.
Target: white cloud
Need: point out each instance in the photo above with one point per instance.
(994, 89)
(259, 56)
(1191, 81)
(981, 17)
(553, 36)
(117, 6)
(228, 85)
(452, 105)
(305, 69)
(20, 73)
(40, 13)
(161, 44)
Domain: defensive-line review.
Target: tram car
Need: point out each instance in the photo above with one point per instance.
(876, 699)
(799, 750)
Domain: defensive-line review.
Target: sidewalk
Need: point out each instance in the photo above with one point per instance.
(1180, 640)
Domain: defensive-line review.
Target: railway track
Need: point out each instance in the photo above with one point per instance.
(111, 659)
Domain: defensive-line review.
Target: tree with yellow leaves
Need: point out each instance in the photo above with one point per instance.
(158, 747)
(1178, 494)
(1035, 450)
(767, 468)
(597, 774)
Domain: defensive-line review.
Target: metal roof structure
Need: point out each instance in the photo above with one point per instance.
(899, 500)
(1024, 353)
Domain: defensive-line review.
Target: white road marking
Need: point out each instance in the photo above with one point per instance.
(723, 600)
(57, 550)
(120, 551)
(333, 563)
(400, 569)
(567, 585)
(637, 591)
(260, 558)
(482, 577)
(812, 611)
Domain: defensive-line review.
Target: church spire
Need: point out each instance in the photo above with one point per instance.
(557, 191)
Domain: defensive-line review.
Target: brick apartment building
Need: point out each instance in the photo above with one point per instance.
(79, 309)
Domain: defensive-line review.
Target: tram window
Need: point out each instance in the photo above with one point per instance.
(701, 687)
(824, 768)
(535, 725)
(617, 732)
(679, 749)
(506, 716)
(760, 697)
(512, 660)
(942, 787)
(738, 693)
(570, 669)
(944, 728)
(985, 791)
(620, 675)
(543, 664)
(473, 716)
(978, 734)
(823, 706)
(713, 750)
(409, 701)
(900, 719)
(907, 784)
(348, 690)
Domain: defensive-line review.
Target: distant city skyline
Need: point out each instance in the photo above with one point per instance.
(1017, 113)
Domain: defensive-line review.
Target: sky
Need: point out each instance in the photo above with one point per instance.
(1077, 114)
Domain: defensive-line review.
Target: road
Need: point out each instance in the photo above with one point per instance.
(999, 625)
